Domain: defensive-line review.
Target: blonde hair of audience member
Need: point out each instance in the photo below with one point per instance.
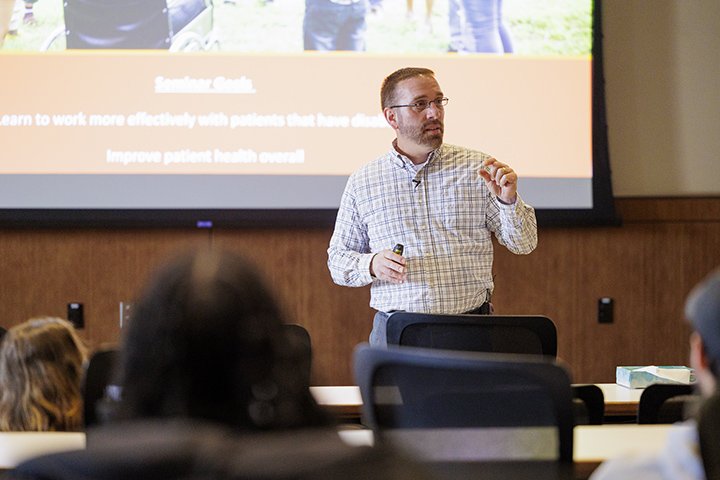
(41, 368)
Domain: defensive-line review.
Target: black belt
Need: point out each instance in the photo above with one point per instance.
(483, 309)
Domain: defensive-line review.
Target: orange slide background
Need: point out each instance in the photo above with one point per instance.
(532, 113)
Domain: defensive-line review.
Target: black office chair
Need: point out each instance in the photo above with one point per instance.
(300, 349)
(449, 405)
(708, 428)
(98, 376)
(665, 403)
(526, 334)
(588, 404)
(101, 394)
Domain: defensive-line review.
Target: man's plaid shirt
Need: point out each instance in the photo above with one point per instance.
(444, 222)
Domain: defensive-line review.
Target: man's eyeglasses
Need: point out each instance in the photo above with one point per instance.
(423, 104)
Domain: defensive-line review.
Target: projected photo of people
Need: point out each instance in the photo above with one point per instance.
(497, 27)
(481, 26)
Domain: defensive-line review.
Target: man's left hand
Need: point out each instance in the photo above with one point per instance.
(500, 179)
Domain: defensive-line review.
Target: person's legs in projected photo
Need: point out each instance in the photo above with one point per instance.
(352, 34)
(15, 21)
(456, 25)
(486, 32)
(428, 13)
(335, 25)
(6, 9)
(24, 13)
(504, 31)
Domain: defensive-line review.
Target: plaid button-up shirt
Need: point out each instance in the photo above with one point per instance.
(443, 214)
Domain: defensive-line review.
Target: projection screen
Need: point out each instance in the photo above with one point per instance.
(256, 111)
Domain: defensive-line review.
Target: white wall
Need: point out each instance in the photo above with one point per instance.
(662, 74)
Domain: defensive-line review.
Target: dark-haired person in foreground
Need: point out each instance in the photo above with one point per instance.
(442, 202)
(680, 459)
(211, 388)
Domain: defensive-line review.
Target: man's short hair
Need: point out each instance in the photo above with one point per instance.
(389, 85)
(702, 310)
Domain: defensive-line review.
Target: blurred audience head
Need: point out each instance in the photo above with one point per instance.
(41, 370)
(206, 342)
(702, 311)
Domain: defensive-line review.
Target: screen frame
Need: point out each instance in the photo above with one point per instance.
(603, 211)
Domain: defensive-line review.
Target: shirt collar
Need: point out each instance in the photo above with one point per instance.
(400, 160)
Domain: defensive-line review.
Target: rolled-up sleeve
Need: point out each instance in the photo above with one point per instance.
(515, 226)
(349, 253)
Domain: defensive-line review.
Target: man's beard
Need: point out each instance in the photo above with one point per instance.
(422, 136)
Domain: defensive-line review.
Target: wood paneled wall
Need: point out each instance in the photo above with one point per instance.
(647, 266)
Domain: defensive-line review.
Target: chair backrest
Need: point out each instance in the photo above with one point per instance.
(98, 402)
(664, 403)
(526, 334)
(300, 348)
(588, 404)
(98, 376)
(451, 405)
(708, 428)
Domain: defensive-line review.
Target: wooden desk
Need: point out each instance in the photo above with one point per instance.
(592, 444)
(346, 402)
(595, 443)
(16, 447)
(343, 402)
(620, 401)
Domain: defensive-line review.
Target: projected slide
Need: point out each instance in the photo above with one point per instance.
(272, 104)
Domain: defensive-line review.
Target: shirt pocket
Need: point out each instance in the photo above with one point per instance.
(461, 208)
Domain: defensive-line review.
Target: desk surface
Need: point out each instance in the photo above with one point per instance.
(592, 443)
(346, 401)
(619, 400)
(16, 447)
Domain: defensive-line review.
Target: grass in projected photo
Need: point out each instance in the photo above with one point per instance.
(550, 27)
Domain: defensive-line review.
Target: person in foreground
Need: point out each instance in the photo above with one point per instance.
(680, 459)
(442, 202)
(211, 388)
(41, 369)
